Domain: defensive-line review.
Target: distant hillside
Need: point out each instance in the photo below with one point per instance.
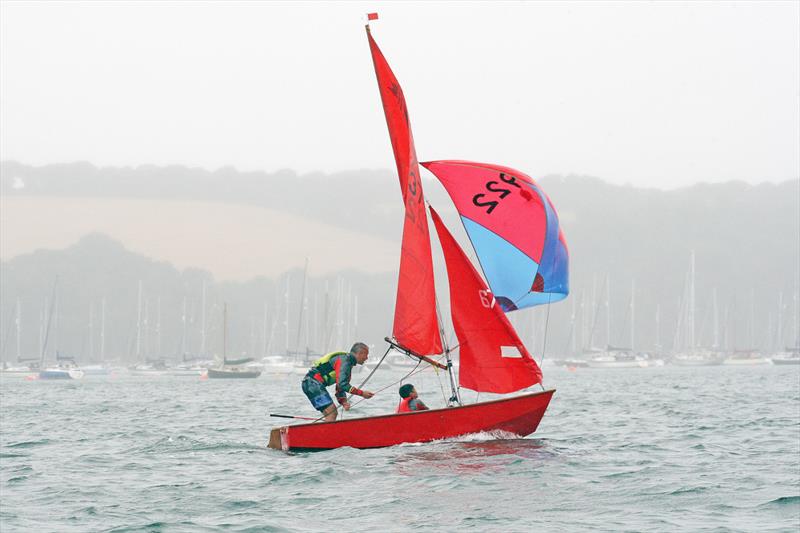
(746, 239)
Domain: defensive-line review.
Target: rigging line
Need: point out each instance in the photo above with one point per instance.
(381, 390)
(544, 341)
(455, 389)
(596, 314)
(411, 373)
(546, 323)
(374, 369)
(362, 384)
(370, 375)
(439, 380)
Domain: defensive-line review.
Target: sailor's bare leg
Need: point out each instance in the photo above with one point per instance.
(330, 413)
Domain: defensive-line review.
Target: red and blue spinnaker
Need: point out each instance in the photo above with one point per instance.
(514, 230)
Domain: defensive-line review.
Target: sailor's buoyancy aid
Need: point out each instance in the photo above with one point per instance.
(323, 370)
(404, 406)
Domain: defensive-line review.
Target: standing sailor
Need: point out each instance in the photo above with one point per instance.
(334, 368)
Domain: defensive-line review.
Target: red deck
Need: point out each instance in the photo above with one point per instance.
(519, 415)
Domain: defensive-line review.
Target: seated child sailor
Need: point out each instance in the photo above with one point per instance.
(409, 401)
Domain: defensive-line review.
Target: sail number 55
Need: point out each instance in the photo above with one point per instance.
(490, 201)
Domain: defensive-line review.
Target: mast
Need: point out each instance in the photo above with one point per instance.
(158, 326)
(203, 320)
(752, 319)
(692, 305)
(455, 396)
(716, 320)
(55, 325)
(584, 321)
(796, 325)
(302, 306)
(355, 316)
(286, 305)
(49, 320)
(253, 335)
(139, 321)
(608, 310)
(594, 312)
(42, 316)
(103, 329)
(91, 331)
(658, 327)
(573, 335)
(224, 332)
(633, 312)
(183, 329)
(19, 330)
(779, 332)
(266, 335)
(146, 328)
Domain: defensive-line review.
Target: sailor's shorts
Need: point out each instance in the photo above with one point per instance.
(316, 393)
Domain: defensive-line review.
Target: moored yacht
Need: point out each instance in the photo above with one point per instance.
(697, 358)
(617, 358)
(746, 357)
(789, 357)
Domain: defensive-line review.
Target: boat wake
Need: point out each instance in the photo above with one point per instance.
(482, 436)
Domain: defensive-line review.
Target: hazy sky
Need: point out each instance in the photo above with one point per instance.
(659, 94)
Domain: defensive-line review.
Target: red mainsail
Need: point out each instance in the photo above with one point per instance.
(492, 357)
(416, 327)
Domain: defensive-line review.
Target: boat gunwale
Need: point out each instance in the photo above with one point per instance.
(426, 411)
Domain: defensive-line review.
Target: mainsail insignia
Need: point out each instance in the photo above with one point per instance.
(493, 358)
(416, 327)
(514, 229)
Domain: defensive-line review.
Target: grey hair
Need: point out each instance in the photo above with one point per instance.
(357, 347)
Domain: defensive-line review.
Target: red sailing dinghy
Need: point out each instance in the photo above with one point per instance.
(525, 264)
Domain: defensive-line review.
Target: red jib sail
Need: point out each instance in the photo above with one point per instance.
(415, 324)
(492, 357)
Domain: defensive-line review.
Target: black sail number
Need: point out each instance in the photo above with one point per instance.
(500, 192)
(414, 198)
(503, 192)
(488, 205)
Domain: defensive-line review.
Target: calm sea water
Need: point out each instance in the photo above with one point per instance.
(630, 449)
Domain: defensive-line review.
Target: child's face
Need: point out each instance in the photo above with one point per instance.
(413, 393)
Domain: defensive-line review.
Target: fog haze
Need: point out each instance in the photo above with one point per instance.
(653, 94)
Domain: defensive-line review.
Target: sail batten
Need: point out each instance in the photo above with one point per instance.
(416, 326)
(492, 357)
(514, 230)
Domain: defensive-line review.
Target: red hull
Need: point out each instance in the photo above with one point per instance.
(519, 415)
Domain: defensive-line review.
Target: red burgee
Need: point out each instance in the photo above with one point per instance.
(416, 327)
(372, 16)
(492, 357)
